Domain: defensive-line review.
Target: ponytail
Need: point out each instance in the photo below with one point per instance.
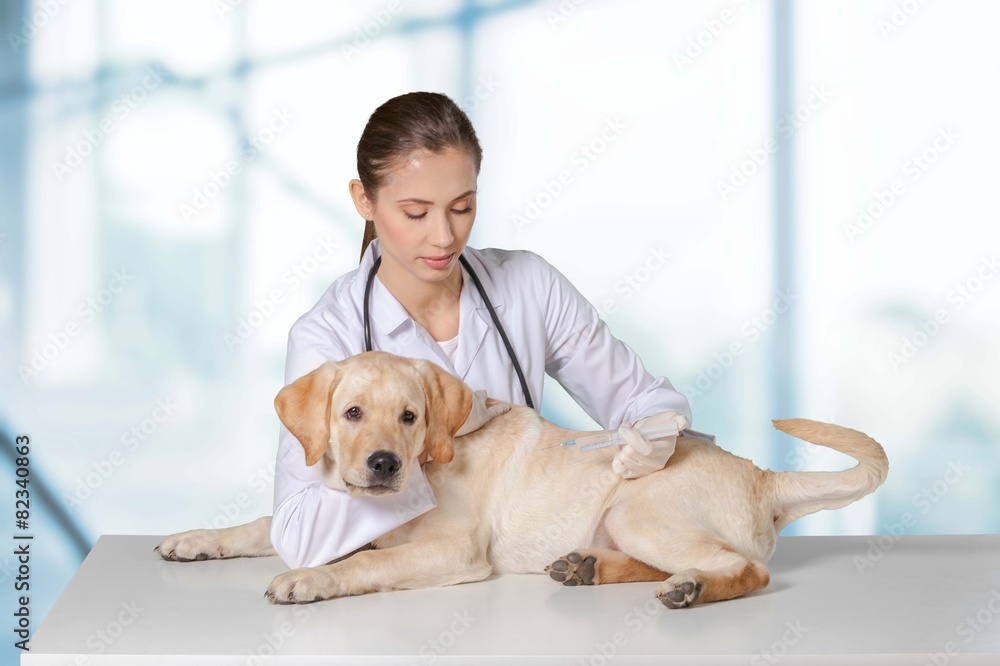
(369, 235)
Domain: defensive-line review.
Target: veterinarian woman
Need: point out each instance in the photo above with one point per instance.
(418, 163)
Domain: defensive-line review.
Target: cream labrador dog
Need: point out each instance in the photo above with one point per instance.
(510, 502)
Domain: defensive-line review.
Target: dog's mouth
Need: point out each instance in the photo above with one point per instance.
(371, 489)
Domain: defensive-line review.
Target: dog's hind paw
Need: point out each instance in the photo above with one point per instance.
(679, 591)
(573, 569)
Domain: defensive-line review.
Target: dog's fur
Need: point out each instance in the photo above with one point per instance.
(704, 525)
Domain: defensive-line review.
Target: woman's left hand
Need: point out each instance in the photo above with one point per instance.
(640, 456)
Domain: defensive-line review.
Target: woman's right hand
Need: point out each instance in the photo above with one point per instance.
(483, 410)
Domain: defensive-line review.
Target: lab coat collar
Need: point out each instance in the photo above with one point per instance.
(386, 312)
(472, 325)
(474, 316)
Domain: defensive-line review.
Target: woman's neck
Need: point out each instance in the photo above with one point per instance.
(422, 300)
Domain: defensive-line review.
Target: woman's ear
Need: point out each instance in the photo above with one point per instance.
(304, 407)
(448, 402)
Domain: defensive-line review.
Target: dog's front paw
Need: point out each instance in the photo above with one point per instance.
(573, 569)
(192, 545)
(679, 591)
(299, 586)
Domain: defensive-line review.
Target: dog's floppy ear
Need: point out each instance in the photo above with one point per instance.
(304, 407)
(449, 401)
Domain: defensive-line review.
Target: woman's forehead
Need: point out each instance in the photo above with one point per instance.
(431, 176)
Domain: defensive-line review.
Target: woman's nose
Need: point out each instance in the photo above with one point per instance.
(441, 235)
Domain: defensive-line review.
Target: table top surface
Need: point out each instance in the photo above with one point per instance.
(911, 599)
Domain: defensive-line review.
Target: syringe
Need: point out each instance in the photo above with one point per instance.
(605, 438)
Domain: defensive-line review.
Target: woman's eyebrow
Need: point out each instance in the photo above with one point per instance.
(423, 201)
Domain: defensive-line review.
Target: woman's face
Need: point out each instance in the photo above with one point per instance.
(424, 212)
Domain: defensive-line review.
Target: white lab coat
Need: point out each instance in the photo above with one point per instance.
(552, 328)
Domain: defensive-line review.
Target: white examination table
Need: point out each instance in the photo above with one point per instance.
(923, 600)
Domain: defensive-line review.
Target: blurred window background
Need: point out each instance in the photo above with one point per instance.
(787, 208)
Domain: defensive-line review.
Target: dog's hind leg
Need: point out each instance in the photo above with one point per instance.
(249, 540)
(705, 566)
(720, 573)
(597, 566)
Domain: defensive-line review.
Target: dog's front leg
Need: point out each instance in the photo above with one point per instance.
(249, 540)
(418, 564)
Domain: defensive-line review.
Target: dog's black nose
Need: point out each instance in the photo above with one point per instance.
(384, 464)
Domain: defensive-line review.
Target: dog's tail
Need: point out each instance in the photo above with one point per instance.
(797, 494)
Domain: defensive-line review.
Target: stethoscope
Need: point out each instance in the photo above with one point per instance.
(489, 306)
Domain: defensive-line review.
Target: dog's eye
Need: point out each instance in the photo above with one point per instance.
(409, 417)
(353, 413)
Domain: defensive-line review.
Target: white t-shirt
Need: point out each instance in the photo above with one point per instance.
(449, 347)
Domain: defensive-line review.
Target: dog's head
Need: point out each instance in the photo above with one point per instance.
(368, 416)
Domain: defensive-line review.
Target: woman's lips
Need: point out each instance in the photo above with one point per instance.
(438, 262)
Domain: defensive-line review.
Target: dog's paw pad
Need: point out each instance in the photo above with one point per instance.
(192, 546)
(298, 586)
(679, 591)
(573, 569)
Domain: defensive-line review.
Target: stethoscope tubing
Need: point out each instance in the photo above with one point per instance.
(489, 306)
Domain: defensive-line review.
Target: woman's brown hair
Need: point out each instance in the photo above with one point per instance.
(414, 121)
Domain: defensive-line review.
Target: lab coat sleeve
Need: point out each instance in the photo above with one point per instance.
(312, 523)
(603, 374)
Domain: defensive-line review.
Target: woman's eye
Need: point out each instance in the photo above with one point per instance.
(409, 417)
(353, 413)
(457, 211)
